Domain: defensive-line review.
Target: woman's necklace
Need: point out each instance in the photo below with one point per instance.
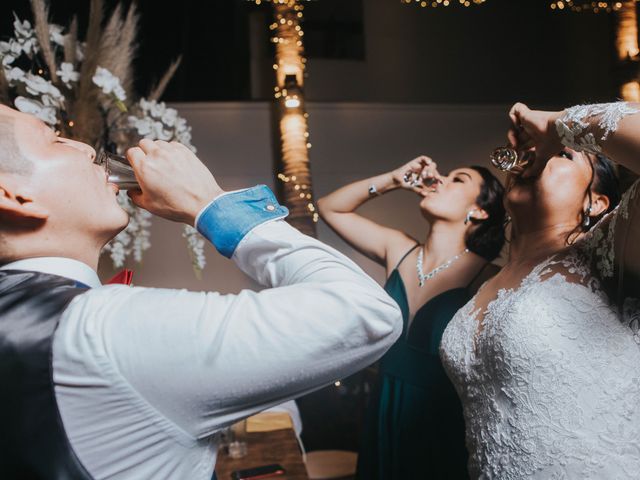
(423, 277)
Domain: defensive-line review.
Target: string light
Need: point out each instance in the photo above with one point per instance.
(289, 67)
(443, 3)
(583, 6)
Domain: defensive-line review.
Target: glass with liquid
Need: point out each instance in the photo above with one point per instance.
(414, 179)
(119, 170)
(507, 159)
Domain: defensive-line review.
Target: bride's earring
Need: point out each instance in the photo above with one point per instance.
(469, 216)
(586, 218)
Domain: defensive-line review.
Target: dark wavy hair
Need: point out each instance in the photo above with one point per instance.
(487, 238)
(605, 182)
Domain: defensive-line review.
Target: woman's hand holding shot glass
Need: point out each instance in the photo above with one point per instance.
(419, 175)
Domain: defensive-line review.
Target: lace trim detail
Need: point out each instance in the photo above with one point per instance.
(598, 243)
(572, 127)
(549, 388)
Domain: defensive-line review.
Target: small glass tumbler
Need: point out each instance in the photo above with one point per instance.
(508, 160)
(119, 171)
(414, 179)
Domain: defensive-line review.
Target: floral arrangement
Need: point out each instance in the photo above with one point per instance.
(83, 89)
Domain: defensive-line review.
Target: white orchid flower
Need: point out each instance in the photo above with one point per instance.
(144, 104)
(55, 34)
(159, 133)
(109, 83)
(157, 109)
(22, 28)
(142, 125)
(169, 117)
(67, 74)
(50, 101)
(45, 113)
(37, 85)
(119, 92)
(15, 47)
(25, 40)
(15, 75)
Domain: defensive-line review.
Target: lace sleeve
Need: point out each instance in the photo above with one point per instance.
(575, 130)
(612, 247)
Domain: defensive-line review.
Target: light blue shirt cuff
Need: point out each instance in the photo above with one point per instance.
(228, 218)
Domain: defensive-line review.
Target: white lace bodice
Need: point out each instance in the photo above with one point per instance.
(550, 384)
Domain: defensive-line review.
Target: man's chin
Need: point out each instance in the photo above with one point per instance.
(121, 225)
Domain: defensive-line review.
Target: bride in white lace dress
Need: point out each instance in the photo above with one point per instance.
(546, 357)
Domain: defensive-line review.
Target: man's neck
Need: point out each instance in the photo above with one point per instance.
(84, 252)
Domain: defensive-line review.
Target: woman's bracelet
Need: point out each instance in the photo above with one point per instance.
(373, 191)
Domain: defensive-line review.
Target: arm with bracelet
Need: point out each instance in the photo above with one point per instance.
(380, 243)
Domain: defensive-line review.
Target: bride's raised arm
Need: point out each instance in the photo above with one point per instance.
(612, 130)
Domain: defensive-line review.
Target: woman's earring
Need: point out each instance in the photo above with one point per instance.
(468, 217)
(586, 218)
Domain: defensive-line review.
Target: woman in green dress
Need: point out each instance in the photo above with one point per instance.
(414, 428)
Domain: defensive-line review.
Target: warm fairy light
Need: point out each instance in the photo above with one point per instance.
(627, 31)
(630, 91)
(292, 102)
(290, 64)
(289, 67)
(585, 6)
(443, 3)
(627, 45)
(626, 35)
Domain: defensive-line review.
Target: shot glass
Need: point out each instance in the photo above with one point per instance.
(119, 171)
(507, 159)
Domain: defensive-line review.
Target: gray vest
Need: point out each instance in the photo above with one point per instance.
(33, 442)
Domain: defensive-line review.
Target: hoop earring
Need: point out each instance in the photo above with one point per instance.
(468, 217)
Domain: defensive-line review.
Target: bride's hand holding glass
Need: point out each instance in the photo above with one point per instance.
(533, 132)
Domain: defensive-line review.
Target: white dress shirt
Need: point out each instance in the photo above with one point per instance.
(144, 377)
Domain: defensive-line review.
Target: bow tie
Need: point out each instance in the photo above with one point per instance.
(124, 278)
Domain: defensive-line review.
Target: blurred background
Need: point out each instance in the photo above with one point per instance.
(383, 82)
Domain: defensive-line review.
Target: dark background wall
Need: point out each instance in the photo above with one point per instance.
(373, 50)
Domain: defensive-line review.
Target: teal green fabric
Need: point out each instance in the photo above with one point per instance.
(414, 428)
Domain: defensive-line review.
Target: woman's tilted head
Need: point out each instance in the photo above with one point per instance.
(574, 191)
(487, 237)
(473, 198)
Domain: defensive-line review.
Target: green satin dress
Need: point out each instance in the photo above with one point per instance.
(414, 428)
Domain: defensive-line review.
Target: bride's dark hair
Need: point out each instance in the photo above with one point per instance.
(487, 238)
(605, 181)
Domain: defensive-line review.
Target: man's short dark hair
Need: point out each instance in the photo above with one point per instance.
(11, 158)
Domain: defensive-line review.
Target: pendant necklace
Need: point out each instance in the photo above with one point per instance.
(423, 277)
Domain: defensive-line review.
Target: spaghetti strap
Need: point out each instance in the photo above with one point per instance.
(406, 255)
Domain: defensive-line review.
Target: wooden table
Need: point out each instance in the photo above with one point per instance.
(265, 448)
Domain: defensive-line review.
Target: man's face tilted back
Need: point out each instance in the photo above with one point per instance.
(54, 200)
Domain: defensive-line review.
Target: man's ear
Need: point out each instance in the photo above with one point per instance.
(19, 206)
